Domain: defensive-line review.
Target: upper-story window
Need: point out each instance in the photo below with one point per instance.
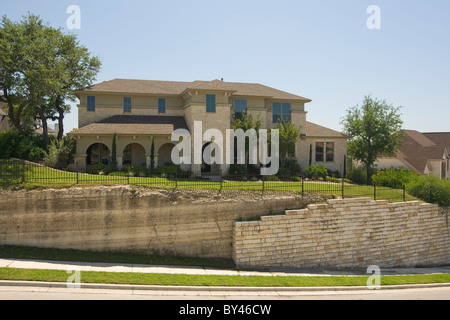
(240, 107)
(281, 112)
(210, 103)
(91, 103)
(127, 104)
(161, 105)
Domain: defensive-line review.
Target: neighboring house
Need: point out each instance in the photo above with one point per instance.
(141, 110)
(426, 153)
(4, 123)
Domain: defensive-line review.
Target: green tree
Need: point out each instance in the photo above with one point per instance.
(374, 130)
(114, 163)
(289, 134)
(246, 122)
(40, 67)
(152, 155)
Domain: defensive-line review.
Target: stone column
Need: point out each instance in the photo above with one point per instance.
(80, 162)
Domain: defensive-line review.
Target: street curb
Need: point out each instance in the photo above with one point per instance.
(5, 283)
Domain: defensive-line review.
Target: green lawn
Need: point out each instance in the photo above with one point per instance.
(14, 252)
(214, 280)
(40, 177)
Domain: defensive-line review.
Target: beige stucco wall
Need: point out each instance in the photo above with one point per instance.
(110, 105)
(387, 163)
(353, 233)
(192, 105)
(302, 151)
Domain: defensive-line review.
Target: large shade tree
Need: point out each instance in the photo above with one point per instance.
(40, 67)
(374, 130)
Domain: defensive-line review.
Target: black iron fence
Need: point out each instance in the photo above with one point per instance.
(22, 173)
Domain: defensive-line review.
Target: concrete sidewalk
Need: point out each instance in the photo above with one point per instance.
(139, 268)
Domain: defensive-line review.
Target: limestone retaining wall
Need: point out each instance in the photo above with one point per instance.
(346, 234)
(196, 223)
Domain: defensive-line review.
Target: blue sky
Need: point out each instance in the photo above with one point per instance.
(321, 50)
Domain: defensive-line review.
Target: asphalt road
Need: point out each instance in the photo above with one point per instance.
(21, 292)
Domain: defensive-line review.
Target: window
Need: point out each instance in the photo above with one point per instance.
(324, 151)
(210, 103)
(319, 151)
(127, 104)
(281, 112)
(91, 103)
(330, 151)
(161, 105)
(240, 107)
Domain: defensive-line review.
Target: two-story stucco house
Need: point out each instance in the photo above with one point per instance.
(139, 111)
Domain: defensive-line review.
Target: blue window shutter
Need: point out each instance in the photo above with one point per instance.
(127, 104)
(91, 103)
(210, 103)
(162, 105)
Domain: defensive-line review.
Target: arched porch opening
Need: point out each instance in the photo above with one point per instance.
(165, 155)
(97, 153)
(134, 154)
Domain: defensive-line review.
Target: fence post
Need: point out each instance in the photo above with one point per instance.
(404, 193)
(303, 186)
(23, 171)
(263, 186)
(176, 180)
(374, 191)
(78, 179)
(342, 188)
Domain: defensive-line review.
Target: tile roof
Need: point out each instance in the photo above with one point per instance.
(177, 88)
(134, 125)
(314, 130)
(418, 148)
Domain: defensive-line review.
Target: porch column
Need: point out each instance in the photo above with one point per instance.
(119, 158)
(80, 162)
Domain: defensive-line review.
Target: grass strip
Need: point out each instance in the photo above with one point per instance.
(214, 280)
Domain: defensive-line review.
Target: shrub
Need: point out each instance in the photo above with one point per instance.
(237, 169)
(60, 153)
(271, 178)
(316, 172)
(169, 170)
(99, 169)
(431, 190)
(358, 175)
(333, 173)
(394, 178)
(28, 146)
